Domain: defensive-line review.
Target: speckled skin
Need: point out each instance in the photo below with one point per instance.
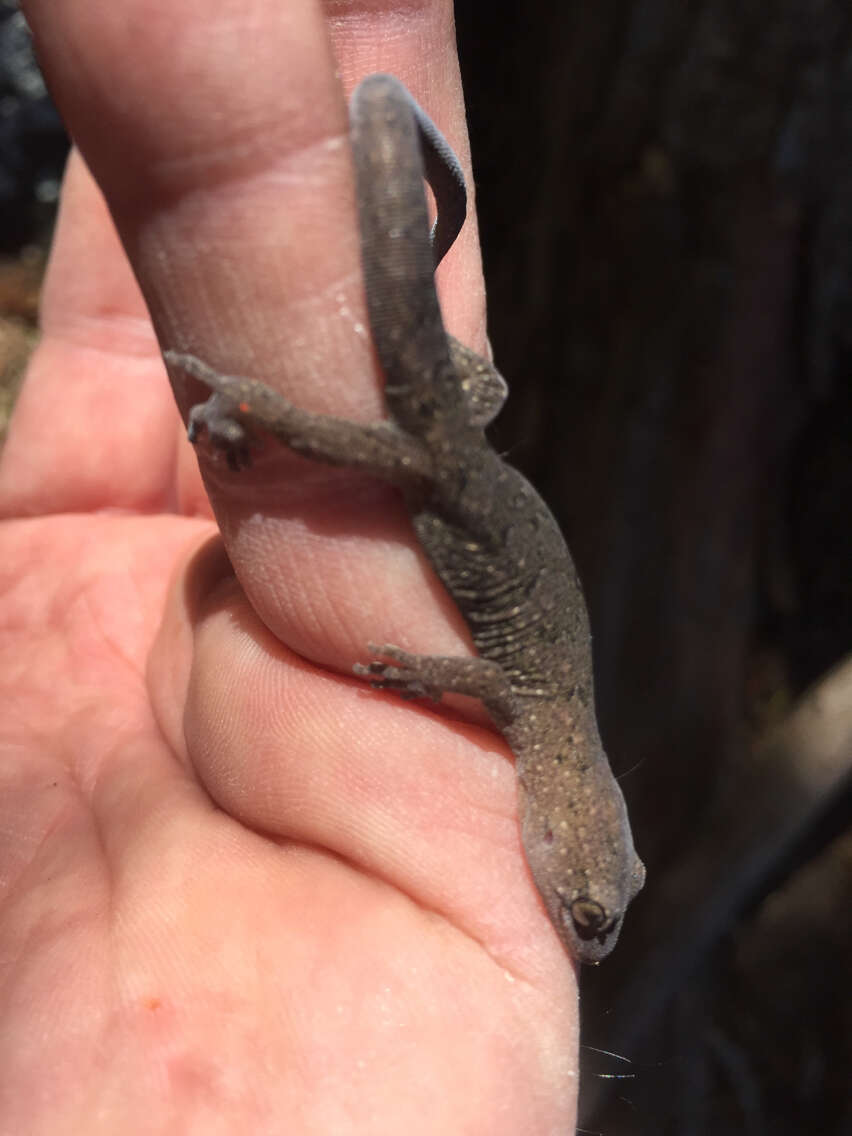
(490, 537)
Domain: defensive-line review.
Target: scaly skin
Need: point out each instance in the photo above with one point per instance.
(491, 539)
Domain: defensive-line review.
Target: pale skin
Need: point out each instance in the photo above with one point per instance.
(240, 890)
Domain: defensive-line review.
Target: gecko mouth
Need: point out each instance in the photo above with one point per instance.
(591, 921)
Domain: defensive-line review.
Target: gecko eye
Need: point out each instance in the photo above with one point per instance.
(590, 919)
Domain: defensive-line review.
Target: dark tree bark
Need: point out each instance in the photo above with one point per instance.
(665, 192)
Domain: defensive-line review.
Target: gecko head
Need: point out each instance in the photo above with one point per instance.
(590, 928)
(579, 847)
(590, 925)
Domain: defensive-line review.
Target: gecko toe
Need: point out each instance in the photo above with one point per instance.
(226, 433)
(384, 676)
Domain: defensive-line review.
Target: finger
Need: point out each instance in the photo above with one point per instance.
(229, 182)
(418, 46)
(392, 788)
(231, 187)
(94, 427)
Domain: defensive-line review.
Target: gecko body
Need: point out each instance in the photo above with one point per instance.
(491, 539)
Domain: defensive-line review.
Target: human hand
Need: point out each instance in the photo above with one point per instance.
(241, 890)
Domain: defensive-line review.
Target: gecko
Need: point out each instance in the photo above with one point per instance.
(491, 539)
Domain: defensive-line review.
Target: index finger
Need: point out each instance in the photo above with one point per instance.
(218, 134)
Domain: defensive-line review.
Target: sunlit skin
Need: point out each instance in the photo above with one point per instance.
(240, 892)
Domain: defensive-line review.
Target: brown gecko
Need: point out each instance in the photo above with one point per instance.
(489, 536)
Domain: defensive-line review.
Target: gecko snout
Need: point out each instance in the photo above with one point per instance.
(589, 928)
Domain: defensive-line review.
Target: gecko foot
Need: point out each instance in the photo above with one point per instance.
(402, 675)
(225, 431)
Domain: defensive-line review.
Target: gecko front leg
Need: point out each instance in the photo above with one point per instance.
(432, 676)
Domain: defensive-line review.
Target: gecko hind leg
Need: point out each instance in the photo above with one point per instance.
(431, 676)
(237, 406)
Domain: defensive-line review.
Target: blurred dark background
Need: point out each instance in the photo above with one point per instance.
(665, 198)
(33, 147)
